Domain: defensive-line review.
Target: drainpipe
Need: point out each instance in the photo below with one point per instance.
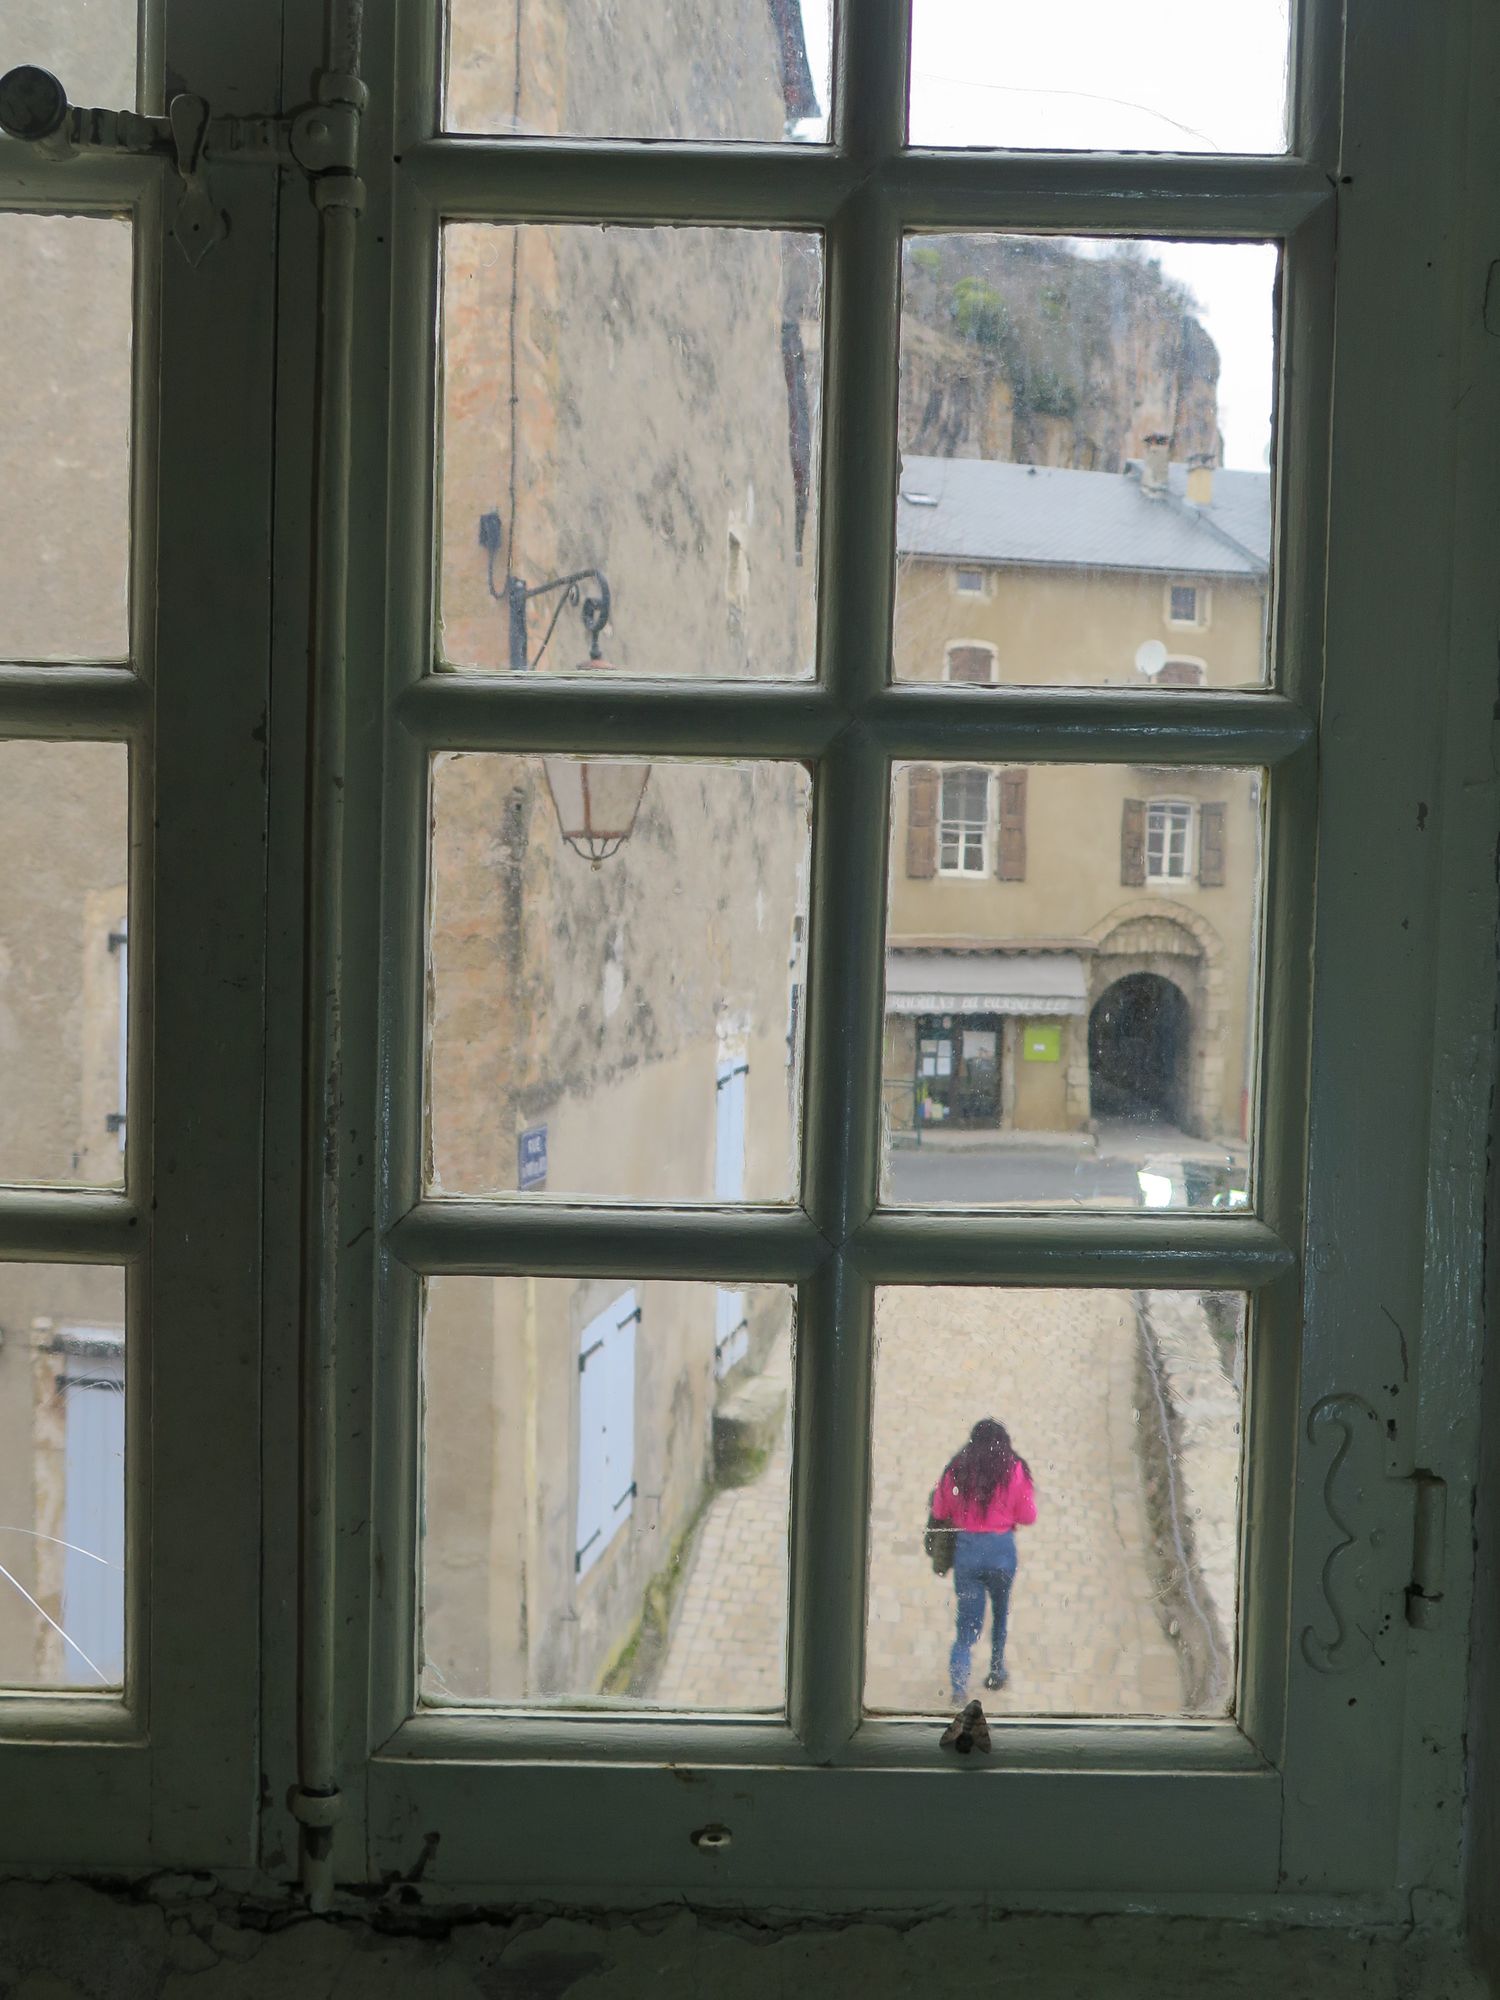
(339, 197)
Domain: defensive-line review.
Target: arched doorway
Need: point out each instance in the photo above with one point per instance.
(1138, 1051)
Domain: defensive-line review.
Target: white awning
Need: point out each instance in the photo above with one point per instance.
(985, 982)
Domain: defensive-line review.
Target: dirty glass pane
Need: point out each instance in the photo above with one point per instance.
(634, 69)
(615, 977)
(1071, 985)
(1085, 431)
(1157, 76)
(89, 45)
(63, 961)
(64, 437)
(62, 1476)
(605, 1492)
(637, 410)
(1123, 1408)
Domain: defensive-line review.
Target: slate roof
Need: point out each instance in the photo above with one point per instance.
(983, 510)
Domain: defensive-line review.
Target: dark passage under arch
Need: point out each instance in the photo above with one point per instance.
(1138, 1051)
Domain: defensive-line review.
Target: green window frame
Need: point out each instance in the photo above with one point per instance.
(275, 1139)
(533, 1801)
(122, 1779)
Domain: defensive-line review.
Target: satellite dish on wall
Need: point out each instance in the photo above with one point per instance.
(1150, 658)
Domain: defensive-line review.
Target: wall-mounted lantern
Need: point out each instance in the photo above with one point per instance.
(596, 801)
(517, 594)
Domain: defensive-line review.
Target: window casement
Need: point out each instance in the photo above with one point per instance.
(971, 583)
(1188, 605)
(282, 1220)
(972, 661)
(1171, 827)
(964, 823)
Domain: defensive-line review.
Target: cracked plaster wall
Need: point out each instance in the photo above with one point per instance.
(183, 1941)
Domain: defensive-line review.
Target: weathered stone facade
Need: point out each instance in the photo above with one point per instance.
(640, 402)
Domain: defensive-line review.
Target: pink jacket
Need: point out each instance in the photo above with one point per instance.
(1012, 1505)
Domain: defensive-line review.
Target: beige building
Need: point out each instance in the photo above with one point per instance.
(1073, 942)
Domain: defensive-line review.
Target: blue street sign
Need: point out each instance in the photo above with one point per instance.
(531, 1151)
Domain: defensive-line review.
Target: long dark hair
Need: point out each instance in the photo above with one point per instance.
(985, 1463)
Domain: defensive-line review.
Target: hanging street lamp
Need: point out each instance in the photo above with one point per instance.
(596, 800)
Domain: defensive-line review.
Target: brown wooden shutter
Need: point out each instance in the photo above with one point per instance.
(1133, 844)
(1211, 846)
(921, 821)
(971, 663)
(1010, 858)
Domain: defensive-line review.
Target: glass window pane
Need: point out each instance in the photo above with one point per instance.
(630, 1029)
(89, 45)
(1072, 1022)
(64, 437)
(1084, 1448)
(1085, 432)
(606, 1492)
(62, 1476)
(633, 69)
(64, 961)
(1157, 76)
(637, 409)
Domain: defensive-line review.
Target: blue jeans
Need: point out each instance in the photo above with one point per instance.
(984, 1568)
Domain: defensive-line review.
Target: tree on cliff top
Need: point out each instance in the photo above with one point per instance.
(1080, 355)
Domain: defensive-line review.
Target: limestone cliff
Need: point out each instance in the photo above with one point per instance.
(1024, 349)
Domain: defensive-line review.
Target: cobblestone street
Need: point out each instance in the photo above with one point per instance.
(1058, 1368)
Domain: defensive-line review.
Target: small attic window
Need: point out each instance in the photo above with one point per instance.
(969, 582)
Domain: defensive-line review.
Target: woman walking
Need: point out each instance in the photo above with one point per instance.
(985, 1494)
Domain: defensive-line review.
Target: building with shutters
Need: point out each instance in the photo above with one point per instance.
(1072, 942)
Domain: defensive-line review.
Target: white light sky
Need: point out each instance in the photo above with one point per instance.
(1194, 76)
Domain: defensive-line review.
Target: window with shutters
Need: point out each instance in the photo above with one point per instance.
(1169, 840)
(964, 823)
(606, 1428)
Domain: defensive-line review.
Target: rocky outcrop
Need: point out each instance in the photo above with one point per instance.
(1021, 349)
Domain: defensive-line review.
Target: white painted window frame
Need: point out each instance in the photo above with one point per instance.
(952, 829)
(985, 574)
(1159, 875)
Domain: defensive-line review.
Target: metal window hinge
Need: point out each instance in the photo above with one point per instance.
(321, 139)
(1424, 1594)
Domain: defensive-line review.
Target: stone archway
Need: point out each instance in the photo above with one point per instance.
(1182, 948)
(1140, 1038)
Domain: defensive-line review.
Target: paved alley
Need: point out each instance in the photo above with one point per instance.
(1058, 1368)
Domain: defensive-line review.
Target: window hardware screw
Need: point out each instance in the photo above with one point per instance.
(711, 1839)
